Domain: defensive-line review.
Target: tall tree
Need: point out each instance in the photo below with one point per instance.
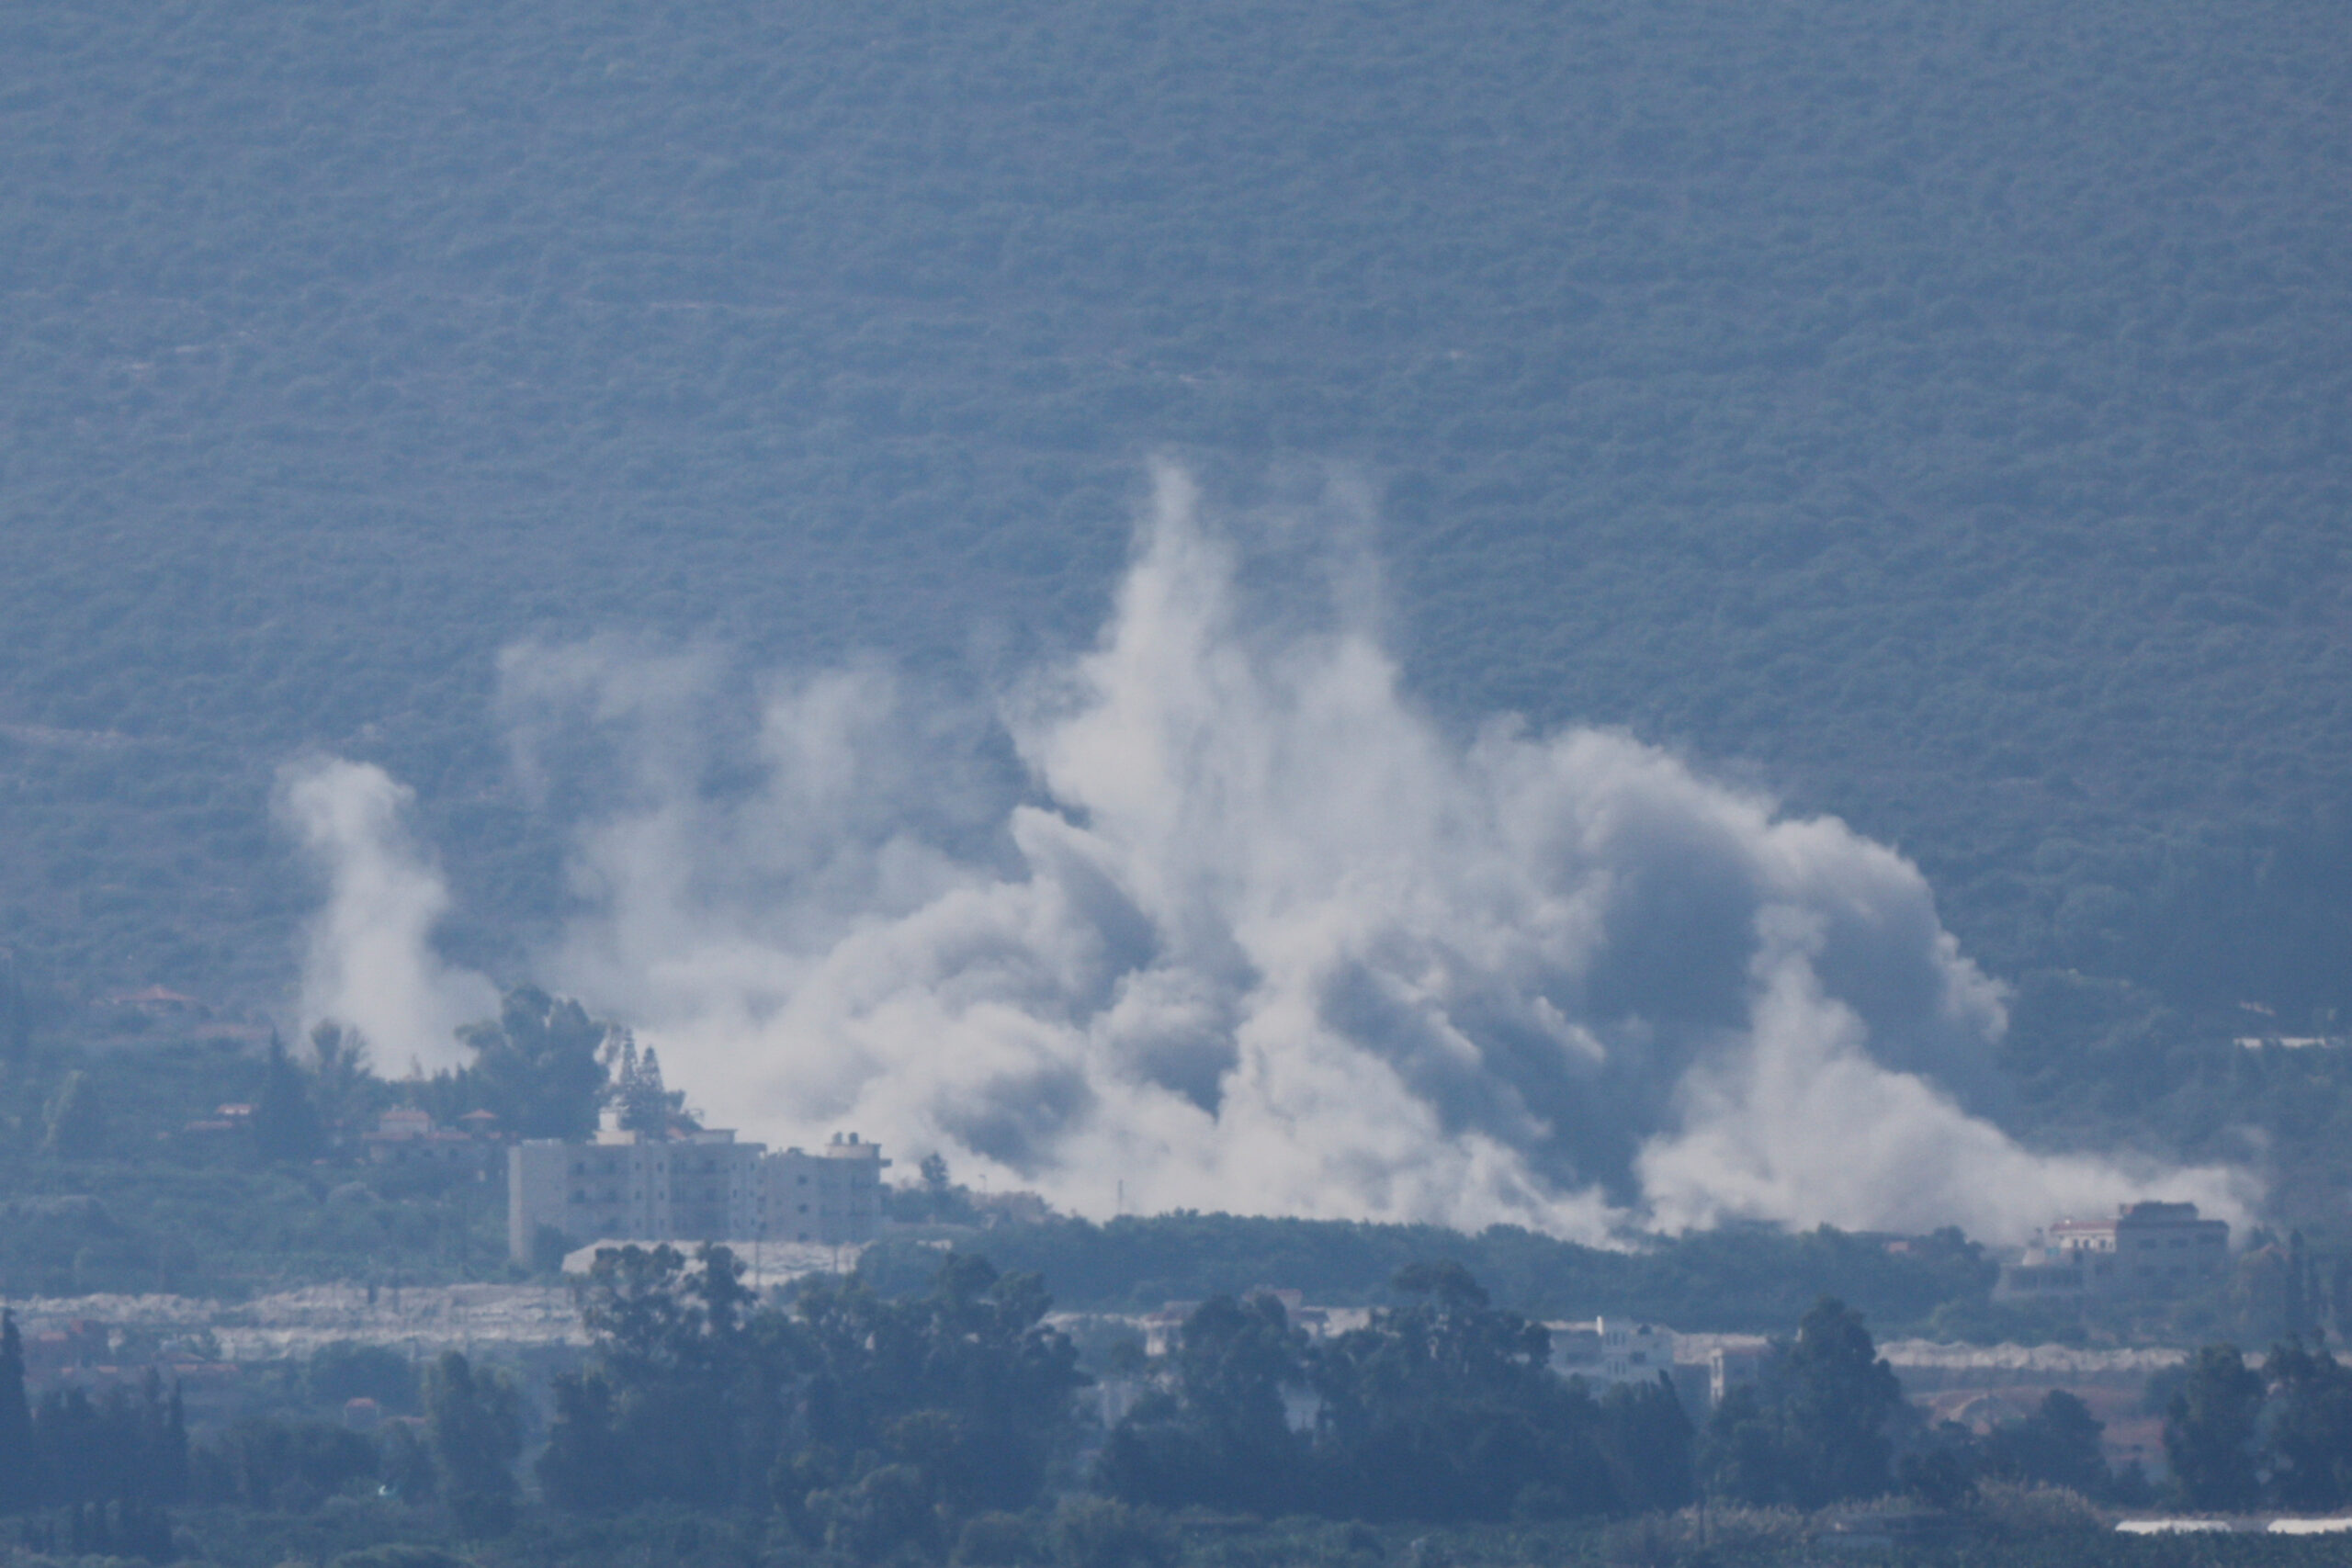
(1815, 1429)
(473, 1421)
(16, 1010)
(2210, 1431)
(644, 1103)
(1223, 1440)
(537, 1064)
(17, 1454)
(861, 1417)
(171, 1477)
(1645, 1437)
(342, 1087)
(2058, 1445)
(76, 1119)
(286, 1125)
(1446, 1408)
(967, 1381)
(1841, 1398)
(2307, 1436)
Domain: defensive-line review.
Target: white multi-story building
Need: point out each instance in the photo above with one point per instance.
(2148, 1249)
(694, 1187)
(1612, 1349)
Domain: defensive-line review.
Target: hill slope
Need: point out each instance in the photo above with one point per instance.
(1940, 410)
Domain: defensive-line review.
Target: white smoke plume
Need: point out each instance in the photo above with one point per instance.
(1231, 925)
(370, 962)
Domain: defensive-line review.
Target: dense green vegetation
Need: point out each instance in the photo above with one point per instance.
(1739, 1280)
(202, 1166)
(123, 1176)
(1742, 1279)
(1937, 409)
(838, 1427)
(1444, 1410)
(349, 1534)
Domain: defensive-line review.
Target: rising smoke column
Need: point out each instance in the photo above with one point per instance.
(369, 960)
(1246, 930)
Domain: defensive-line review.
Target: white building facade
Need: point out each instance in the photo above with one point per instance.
(2158, 1250)
(1612, 1350)
(696, 1187)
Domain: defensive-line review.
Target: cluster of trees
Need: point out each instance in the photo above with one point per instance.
(111, 1465)
(1826, 1421)
(69, 1449)
(875, 1424)
(116, 1463)
(544, 1066)
(939, 1425)
(2239, 1437)
(869, 1422)
(1738, 1279)
(461, 1454)
(1445, 1409)
(122, 1174)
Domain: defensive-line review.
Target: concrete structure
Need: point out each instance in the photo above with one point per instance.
(1609, 1351)
(698, 1186)
(1612, 1350)
(1163, 1330)
(1730, 1369)
(407, 1136)
(1634, 1352)
(2147, 1251)
(1576, 1349)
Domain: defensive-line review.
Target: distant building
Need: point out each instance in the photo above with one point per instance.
(1163, 1331)
(1634, 1352)
(404, 1136)
(695, 1186)
(1576, 1348)
(2147, 1251)
(1731, 1369)
(1612, 1350)
(155, 1002)
(1606, 1352)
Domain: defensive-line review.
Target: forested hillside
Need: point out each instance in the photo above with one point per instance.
(1936, 412)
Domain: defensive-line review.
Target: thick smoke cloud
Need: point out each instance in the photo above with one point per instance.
(1231, 925)
(370, 961)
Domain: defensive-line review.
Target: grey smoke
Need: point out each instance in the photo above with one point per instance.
(1248, 931)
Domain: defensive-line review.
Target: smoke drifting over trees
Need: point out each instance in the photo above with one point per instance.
(1237, 923)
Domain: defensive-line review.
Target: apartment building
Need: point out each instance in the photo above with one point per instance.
(2146, 1250)
(695, 1186)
